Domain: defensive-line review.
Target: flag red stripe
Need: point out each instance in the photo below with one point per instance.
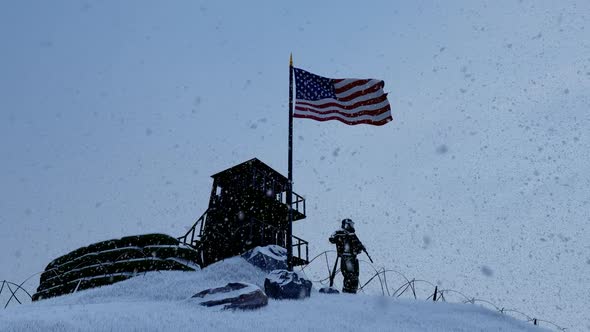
(365, 97)
(357, 94)
(350, 85)
(348, 115)
(346, 107)
(366, 121)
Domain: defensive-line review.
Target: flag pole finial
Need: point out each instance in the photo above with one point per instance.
(291, 60)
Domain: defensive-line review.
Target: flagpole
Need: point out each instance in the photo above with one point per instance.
(290, 172)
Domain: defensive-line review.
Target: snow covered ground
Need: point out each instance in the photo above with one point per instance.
(160, 301)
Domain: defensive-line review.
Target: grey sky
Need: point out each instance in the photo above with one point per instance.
(114, 114)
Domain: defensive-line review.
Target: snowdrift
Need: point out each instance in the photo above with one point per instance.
(161, 301)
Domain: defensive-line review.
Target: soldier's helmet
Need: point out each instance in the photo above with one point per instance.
(348, 225)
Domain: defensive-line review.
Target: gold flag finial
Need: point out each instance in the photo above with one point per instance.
(291, 60)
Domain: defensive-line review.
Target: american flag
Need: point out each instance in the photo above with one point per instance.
(349, 100)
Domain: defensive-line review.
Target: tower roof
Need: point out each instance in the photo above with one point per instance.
(248, 167)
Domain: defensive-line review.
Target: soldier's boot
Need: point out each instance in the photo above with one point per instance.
(351, 284)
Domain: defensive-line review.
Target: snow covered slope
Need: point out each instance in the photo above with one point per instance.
(161, 302)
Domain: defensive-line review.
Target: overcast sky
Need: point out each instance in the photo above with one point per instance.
(114, 114)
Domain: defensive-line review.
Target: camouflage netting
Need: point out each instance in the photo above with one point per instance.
(107, 262)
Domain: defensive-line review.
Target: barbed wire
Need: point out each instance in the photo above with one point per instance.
(435, 295)
(13, 292)
(380, 274)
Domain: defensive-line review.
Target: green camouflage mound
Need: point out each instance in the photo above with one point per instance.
(107, 262)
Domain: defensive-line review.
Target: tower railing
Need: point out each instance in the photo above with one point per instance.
(299, 244)
(297, 201)
(278, 237)
(191, 237)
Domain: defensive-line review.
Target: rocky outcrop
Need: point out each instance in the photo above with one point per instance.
(329, 290)
(268, 258)
(235, 295)
(283, 284)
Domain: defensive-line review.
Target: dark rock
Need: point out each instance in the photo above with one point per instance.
(235, 295)
(283, 284)
(329, 290)
(268, 258)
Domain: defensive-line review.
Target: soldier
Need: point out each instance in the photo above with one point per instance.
(348, 246)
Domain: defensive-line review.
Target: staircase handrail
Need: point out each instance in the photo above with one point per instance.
(192, 230)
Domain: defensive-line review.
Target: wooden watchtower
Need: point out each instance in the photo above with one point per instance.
(247, 208)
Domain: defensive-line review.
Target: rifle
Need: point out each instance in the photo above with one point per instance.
(365, 250)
